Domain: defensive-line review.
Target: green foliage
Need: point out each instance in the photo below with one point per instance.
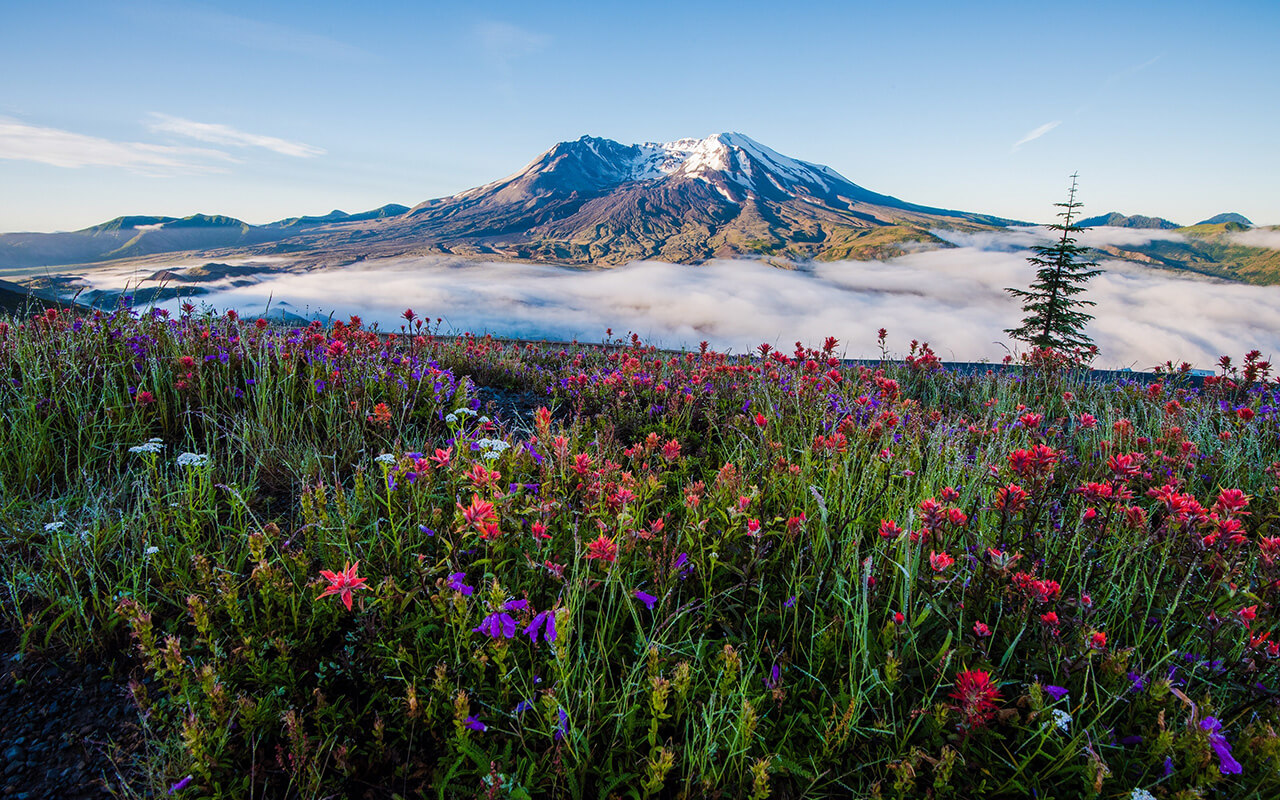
(767, 577)
(1054, 320)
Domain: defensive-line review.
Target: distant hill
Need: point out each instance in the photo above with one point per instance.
(1117, 220)
(1228, 217)
(1209, 249)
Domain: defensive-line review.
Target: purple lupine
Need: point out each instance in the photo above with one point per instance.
(546, 621)
(497, 625)
(775, 678)
(1227, 764)
(646, 598)
(456, 583)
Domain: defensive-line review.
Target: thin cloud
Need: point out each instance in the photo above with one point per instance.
(1037, 133)
(214, 133)
(246, 32)
(953, 298)
(1257, 237)
(503, 42)
(20, 141)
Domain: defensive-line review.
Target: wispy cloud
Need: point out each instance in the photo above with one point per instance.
(246, 32)
(502, 43)
(1037, 133)
(953, 298)
(229, 136)
(20, 141)
(1257, 237)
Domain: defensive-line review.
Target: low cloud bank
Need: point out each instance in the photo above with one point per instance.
(952, 298)
(1258, 237)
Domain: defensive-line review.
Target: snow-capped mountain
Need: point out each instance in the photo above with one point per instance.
(587, 201)
(596, 200)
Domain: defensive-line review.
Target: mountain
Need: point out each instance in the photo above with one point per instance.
(1117, 220)
(1228, 217)
(590, 201)
(600, 202)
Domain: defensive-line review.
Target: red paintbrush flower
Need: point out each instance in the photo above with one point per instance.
(603, 548)
(976, 698)
(343, 583)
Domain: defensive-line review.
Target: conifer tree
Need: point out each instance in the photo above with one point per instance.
(1054, 319)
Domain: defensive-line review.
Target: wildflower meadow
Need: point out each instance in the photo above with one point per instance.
(333, 561)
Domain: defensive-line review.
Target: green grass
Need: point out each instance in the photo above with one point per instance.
(795, 646)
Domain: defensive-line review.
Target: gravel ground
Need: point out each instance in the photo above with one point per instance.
(66, 729)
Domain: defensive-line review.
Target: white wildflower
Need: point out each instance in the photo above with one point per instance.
(386, 458)
(153, 446)
(193, 460)
(483, 420)
(50, 527)
(150, 551)
(1141, 794)
(452, 419)
(1061, 719)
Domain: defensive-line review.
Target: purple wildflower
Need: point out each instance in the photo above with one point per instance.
(456, 583)
(681, 561)
(515, 605)
(1227, 764)
(775, 678)
(547, 622)
(646, 598)
(563, 727)
(425, 531)
(475, 724)
(1168, 766)
(523, 706)
(791, 601)
(1056, 692)
(497, 625)
(1137, 681)
(180, 785)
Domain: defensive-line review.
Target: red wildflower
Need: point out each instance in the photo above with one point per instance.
(1231, 502)
(343, 583)
(1098, 640)
(976, 697)
(479, 514)
(1049, 618)
(145, 398)
(890, 530)
(381, 414)
(981, 630)
(603, 548)
(940, 561)
(761, 420)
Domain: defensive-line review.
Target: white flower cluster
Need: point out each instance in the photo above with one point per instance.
(193, 460)
(386, 458)
(150, 446)
(452, 416)
(1061, 719)
(492, 448)
(50, 527)
(1141, 794)
(150, 551)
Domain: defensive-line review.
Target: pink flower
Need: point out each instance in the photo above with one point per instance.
(940, 561)
(343, 583)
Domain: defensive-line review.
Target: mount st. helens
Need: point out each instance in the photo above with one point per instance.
(590, 201)
(596, 202)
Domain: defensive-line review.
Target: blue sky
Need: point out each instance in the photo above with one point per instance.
(266, 110)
